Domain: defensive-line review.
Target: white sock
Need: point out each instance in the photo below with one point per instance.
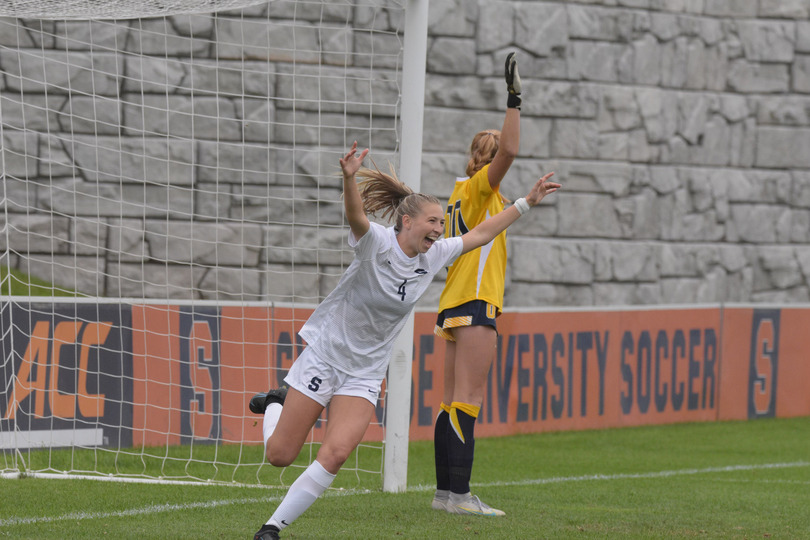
(304, 491)
(271, 416)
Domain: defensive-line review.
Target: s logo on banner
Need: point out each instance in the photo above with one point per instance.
(764, 363)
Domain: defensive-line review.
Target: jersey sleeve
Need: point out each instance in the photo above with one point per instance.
(448, 251)
(370, 243)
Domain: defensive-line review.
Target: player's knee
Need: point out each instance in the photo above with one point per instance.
(279, 455)
(333, 457)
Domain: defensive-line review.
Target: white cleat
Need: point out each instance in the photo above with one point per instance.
(471, 504)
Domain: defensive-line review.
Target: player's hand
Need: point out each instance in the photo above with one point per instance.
(351, 163)
(542, 188)
(512, 81)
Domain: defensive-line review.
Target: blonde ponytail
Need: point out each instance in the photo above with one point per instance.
(384, 195)
(483, 148)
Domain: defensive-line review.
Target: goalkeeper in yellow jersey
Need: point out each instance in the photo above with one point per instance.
(471, 301)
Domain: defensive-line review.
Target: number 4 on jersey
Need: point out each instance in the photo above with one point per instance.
(401, 290)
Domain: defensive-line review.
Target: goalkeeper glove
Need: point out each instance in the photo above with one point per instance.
(512, 82)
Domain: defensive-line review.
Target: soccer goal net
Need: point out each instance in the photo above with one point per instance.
(170, 215)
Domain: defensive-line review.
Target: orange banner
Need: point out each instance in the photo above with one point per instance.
(178, 374)
(584, 369)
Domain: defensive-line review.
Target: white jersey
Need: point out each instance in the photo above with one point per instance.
(355, 326)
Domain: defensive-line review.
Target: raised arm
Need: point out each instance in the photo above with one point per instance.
(492, 227)
(510, 132)
(356, 216)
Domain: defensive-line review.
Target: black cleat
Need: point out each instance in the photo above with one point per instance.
(259, 402)
(267, 532)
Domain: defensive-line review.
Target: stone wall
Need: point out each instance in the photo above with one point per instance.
(680, 130)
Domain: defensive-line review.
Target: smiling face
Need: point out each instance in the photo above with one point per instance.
(421, 231)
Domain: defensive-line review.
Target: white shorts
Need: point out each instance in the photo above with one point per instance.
(320, 381)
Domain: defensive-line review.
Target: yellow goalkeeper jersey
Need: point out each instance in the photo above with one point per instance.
(479, 274)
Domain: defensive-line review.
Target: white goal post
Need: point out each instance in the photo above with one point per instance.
(171, 212)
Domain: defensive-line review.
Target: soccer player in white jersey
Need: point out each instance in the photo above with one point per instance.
(350, 334)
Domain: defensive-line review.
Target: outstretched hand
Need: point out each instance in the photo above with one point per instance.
(542, 188)
(351, 162)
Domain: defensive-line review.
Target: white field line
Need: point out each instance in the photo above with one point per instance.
(160, 508)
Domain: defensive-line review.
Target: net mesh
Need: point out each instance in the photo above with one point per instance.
(177, 179)
(115, 9)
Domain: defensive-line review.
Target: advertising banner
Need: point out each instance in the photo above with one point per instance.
(145, 375)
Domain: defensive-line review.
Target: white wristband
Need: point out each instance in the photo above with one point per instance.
(522, 205)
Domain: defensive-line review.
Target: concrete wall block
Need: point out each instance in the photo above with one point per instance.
(540, 28)
(240, 163)
(89, 237)
(745, 77)
(803, 36)
(233, 78)
(794, 9)
(470, 92)
(575, 139)
(534, 296)
(232, 284)
(778, 267)
(757, 224)
(659, 111)
(800, 189)
(20, 154)
(731, 8)
(639, 215)
(77, 197)
(153, 280)
(374, 15)
(41, 233)
(636, 261)
(603, 219)
(451, 56)
(133, 159)
(306, 245)
(783, 111)
(84, 274)
(27, 33)
(496, 26)
(800, 74)
(452, 17)
(333, 129)
(780, 147)
(150, 74)
(273, 43)
(767, 41)
(34, 112)
(618, 110)
(627, 294)
(594, 61)
(692, 117)
(358, 90)
(559, 262)
(315, 206)
(593, 23)
(127, 240)
(85, 114)
(183, 117)
(646, 60)
(220, 244)
(61, 73)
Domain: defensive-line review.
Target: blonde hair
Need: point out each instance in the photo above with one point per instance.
(482, 149)
(384, 193)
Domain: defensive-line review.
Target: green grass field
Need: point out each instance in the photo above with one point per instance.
(708, 480)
